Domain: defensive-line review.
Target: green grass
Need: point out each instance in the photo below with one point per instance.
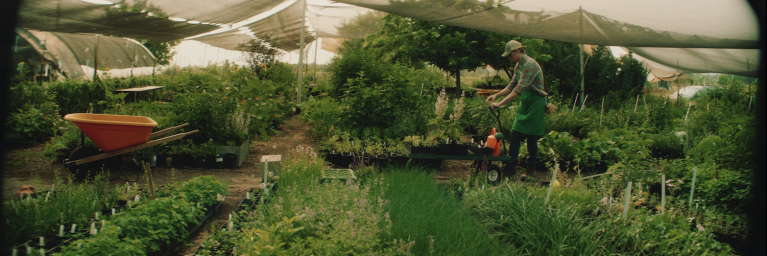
(421, 210)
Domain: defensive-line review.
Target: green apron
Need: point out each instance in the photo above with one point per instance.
(530, 113)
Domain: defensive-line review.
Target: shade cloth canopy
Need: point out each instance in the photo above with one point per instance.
(692, 34)
(75, 16)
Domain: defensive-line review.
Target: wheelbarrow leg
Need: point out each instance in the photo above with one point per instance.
(125, 174)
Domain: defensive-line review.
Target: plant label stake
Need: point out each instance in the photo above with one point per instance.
(74, 227)
(97, 215)
(61, 231)
(113, 211)
(42, 241)
(266, 176)
(662, 193)
(14, 252)
(42, 252)
(583, 103)
(551, 183)
(247, 196)
(575, 102)
(93, 228)
(29, 250)
(138, 199)
(628, 199)
(636, 104)
(688, 112)
(692, 189)
(231, 226)
(46, 196)
(230, 217)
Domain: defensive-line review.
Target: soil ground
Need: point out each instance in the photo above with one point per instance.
(26, 166)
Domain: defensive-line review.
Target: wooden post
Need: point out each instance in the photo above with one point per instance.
(583, 103)
(688, 112)
(636, 104)
(575, 102)
(645, 103)
(151, 182)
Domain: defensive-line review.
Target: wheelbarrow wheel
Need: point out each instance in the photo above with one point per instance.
(86, 170)
(494, 174)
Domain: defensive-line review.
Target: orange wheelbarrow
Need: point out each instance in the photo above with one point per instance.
(114, 135)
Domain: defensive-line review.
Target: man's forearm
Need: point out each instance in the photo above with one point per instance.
(503, 92)
(511, 97)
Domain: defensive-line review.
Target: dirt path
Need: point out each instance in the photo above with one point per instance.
(26, 166)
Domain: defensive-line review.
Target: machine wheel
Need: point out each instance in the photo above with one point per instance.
(87, 170)
(494, 174)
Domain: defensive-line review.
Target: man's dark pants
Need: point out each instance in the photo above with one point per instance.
(532, 148)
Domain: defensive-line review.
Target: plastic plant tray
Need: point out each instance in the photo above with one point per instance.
(338, 174)
(113, 132)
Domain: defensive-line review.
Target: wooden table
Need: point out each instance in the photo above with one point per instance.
(137, 90)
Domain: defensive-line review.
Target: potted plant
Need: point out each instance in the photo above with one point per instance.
(212, 159)
(345, 147)
(198, 154)
(180, 154)
(162, 156)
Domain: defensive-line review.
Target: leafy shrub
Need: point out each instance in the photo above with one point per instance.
(203, 189)
(110, 241)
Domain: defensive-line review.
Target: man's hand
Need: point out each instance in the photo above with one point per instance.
(490, 98)
(495, 105)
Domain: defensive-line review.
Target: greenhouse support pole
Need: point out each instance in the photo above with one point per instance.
(580, 54)
(95, 58)
(301, 55)
(688, 112)
(692, 188)
(662, 193)
(316, 41)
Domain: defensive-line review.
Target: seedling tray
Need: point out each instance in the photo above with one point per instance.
(338, 174)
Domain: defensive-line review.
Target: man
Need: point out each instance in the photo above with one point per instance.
(527, 84)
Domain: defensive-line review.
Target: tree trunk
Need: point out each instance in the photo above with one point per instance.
(458, 78)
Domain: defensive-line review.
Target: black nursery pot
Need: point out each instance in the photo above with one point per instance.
(459, 149)
(198, 162)
(433, 150)
(180, 160)
(445, 149)
(334, 158)
(214, 162)
(230, 161)
(162, 160)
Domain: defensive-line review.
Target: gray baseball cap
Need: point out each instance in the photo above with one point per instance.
(512, 45)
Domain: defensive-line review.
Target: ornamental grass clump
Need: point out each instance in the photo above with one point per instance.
(436, 221)
(577, 222)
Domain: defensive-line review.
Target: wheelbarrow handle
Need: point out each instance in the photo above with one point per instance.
(167, 130)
